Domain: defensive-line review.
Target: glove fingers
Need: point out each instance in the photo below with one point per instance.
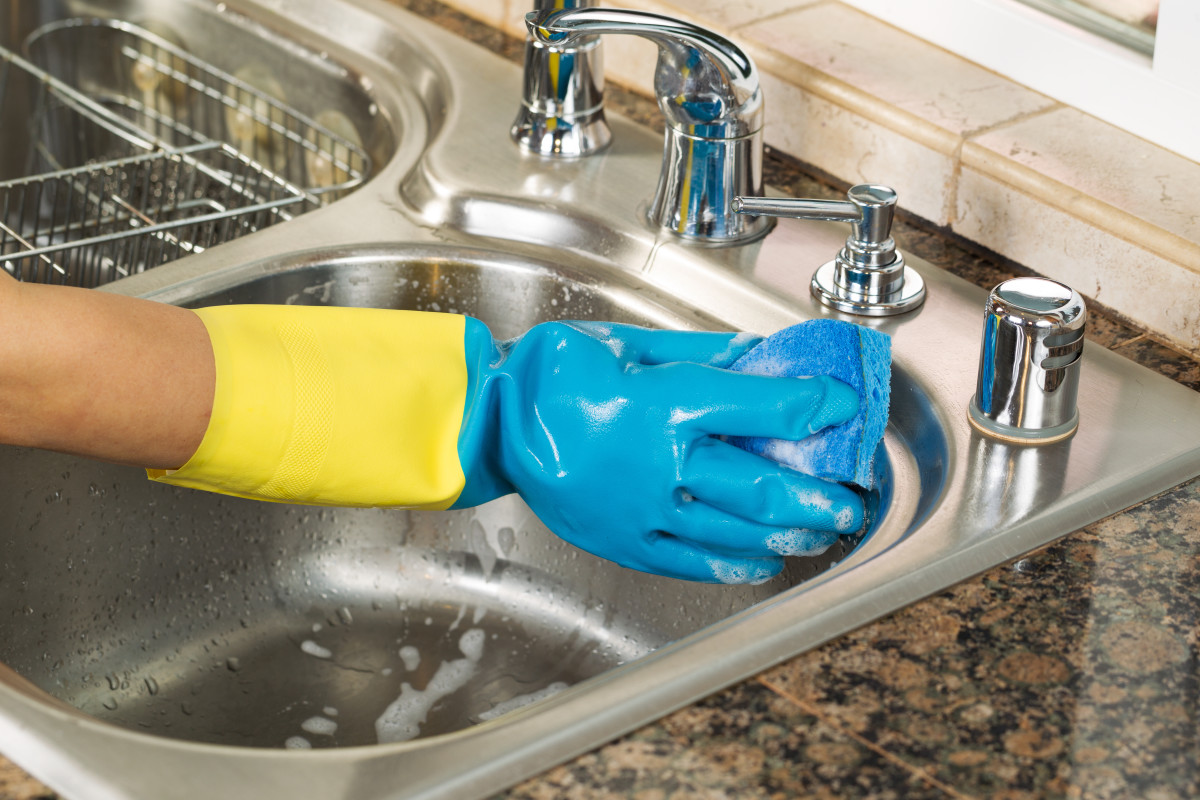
(677, 558)
(759, 490)
(727, 403)
(653, 347)
(732, 536)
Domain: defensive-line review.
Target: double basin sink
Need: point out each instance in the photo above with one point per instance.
(157, 642)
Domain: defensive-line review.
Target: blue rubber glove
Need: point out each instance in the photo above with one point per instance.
(609, 433)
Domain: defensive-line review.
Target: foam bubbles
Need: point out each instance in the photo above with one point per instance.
(800, 542)
(843, 519)
(802, 455)
(411, 657)
(813, 498)
(321, 726)
(315, 650)
(734, 350)
(402, 719)
(732, 572)
(471, 644)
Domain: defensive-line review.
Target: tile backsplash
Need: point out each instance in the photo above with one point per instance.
(1064, 194)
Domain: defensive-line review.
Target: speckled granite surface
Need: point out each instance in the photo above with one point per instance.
(1069, 673)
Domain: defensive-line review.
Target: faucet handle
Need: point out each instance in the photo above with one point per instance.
(869, 276)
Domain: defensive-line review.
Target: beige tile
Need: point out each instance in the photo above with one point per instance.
(493, 12)
(901, 70)
(720, 15)
(857, 149)
(1158, 293)
(513, 22)
(726, 16)
(630, 61)
(1069, 156)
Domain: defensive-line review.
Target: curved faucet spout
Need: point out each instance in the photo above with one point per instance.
(705, 84)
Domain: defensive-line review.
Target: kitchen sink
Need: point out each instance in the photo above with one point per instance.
(159, 642)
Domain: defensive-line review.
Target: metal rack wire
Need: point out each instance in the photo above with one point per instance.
(129, 167)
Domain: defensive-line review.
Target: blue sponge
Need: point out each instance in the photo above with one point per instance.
(853, 354)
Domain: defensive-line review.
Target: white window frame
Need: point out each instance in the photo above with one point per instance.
(1155, 98)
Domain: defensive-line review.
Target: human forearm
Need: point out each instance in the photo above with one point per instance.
(101, 375)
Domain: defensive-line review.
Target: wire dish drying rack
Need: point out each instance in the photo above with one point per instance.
(136, 153)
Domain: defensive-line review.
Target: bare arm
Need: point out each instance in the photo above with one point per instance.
(103, 376)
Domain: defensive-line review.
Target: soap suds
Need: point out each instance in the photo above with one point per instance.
(735, 349)
(297, 743)
(843, 520)
(314, 649)
(801, 455)
(800, 542)
(471, 644)
(740, 572)
(319, 726)
(522, 700)
(402, 719)
(411, 657)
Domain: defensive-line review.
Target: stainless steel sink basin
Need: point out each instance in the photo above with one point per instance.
(238, 623)
(171, 644)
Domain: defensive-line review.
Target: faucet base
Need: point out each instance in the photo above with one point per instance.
(830, 287)
(561, 137)
(700, 179)
(1013, 435)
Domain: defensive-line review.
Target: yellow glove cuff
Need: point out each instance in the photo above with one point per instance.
(332, 406)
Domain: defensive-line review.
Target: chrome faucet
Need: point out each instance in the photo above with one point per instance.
(708, 89)
(562, 108)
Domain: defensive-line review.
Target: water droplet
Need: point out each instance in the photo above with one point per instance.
(151, 686)
(110, 704)
(233, 665)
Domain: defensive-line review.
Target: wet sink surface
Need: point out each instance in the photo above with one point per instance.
(201, 634)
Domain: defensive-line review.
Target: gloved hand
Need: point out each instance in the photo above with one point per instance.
(607, 431)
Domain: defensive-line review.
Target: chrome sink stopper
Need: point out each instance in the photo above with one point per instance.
(869, 276)
(1029, 362)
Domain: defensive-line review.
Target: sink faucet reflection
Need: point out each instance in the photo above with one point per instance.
(708, 89)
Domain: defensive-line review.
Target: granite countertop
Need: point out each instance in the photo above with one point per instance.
(1071, 672)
